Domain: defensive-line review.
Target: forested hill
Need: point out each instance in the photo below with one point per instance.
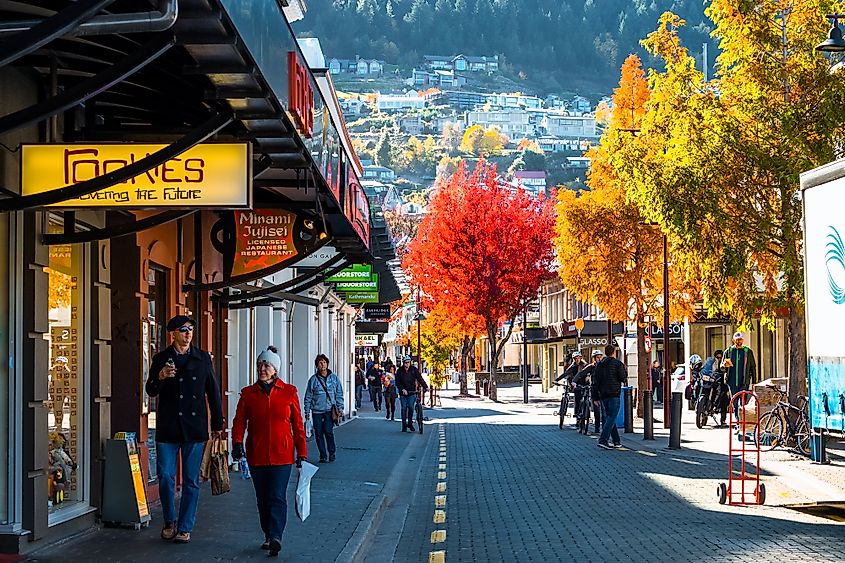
(553, 42)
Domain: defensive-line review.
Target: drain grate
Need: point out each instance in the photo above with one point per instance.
(830, 510)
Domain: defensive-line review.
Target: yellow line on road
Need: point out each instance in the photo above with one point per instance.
(441, 487)
(440, 501)
(442, 466)
(439, 516)
(441, 475)
(438, 536)
(437, 557)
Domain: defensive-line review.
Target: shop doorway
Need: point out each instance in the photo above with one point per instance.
(155, 340)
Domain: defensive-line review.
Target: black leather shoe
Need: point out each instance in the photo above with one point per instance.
(331, 457)
(266, 544)
(322, 460)
(275, 547)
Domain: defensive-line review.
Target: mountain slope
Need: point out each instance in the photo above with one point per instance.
(552, 42)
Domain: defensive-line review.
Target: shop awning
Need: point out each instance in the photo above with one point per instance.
(222, 71)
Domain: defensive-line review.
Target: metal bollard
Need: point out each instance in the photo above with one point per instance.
(675, 427)
(629, 410)
(648, 416)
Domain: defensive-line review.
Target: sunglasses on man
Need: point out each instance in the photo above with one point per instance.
(186, 328)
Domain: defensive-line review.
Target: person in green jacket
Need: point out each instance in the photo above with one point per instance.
(740, 368)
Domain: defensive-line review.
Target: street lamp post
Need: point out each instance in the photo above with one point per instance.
(667, 383)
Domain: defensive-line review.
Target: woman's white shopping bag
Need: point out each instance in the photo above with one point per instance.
(309, 428)
(303, 490)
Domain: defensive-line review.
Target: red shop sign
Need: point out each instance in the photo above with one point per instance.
(300, 95)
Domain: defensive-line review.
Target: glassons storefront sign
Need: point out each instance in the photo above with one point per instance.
(207, 175)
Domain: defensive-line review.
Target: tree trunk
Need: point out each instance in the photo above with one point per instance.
(494, 362)
(465, 349)
(797, 335)
(643, 374)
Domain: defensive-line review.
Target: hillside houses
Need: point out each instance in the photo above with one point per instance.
(357, 67)
(462, 63)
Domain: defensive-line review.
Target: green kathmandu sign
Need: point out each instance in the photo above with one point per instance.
(361, 297)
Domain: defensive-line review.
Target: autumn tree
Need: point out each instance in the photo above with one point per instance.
(483, 250)
(608, 253)
(719, 163)
(438, 341)
(383, 152)
(471, 139)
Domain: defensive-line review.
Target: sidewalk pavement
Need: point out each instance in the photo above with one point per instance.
(347, 502)
(791, 479)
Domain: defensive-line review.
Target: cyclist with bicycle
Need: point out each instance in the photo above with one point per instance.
(582, 381)
(568, 374)
(407, 378)
(740, 369)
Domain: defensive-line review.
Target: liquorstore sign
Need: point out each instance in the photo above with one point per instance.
(208, 175)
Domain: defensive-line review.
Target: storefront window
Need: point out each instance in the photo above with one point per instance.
(64, 388)
(155, 340)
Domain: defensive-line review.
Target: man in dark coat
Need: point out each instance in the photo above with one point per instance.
(609, 376)
(407, 379)
(740, 369)
(182, 378)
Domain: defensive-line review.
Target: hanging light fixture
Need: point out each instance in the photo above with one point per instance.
(834, 42)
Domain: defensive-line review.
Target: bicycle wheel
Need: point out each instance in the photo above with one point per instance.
(802, 436)
(771, 431)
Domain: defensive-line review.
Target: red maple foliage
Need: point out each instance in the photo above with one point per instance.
(483, 251)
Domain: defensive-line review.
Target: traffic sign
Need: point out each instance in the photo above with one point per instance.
(579, 324)
(648, 343)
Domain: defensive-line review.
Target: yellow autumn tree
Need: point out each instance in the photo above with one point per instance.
(472, 136)
(608, 254)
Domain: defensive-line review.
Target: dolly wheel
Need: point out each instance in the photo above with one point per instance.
(722, 492)
(761, 494)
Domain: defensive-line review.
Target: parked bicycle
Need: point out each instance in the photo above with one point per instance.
(564, 403)
(786, 425)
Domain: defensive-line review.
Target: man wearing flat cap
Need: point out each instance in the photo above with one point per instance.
(182, 378)
(740, 369)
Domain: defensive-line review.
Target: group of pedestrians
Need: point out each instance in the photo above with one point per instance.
(385, 383)
(267, 430)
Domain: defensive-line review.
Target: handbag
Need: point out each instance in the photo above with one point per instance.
(215, 465)
(336, 416)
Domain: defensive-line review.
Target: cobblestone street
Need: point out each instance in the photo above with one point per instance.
(496, 482)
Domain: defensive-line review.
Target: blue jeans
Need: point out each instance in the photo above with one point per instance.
(359, 391)
(166, 464)
(611, 410)
(271, 483)
(407, 404)
(324, 432)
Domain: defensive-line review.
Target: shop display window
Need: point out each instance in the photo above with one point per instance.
(65, 376)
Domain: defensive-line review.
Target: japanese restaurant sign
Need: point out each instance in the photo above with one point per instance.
(263, 238)
(207, 175)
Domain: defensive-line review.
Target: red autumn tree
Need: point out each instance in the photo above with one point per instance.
(483, 251)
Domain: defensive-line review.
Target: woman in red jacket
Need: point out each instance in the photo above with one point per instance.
(268, 412)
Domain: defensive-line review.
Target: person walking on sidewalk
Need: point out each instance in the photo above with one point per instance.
(407, 378)
(390, 394)
(360, 383)
(374, 382)
(268, 413)
(323, 392)
(657, 381)
(740, 369)
(182, 378)
(584, 378)
(609, 376)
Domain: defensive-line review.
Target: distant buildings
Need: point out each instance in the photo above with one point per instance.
(462, 63)
(411, 100)
(513, 123)
(532, 181)
(378, 173)
(437, 79)
(358, 67)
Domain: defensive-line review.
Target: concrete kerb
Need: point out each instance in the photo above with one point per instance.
(355, 548)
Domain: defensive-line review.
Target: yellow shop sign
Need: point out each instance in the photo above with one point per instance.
(207, 175)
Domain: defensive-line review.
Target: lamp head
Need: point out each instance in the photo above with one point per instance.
(834, 42)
